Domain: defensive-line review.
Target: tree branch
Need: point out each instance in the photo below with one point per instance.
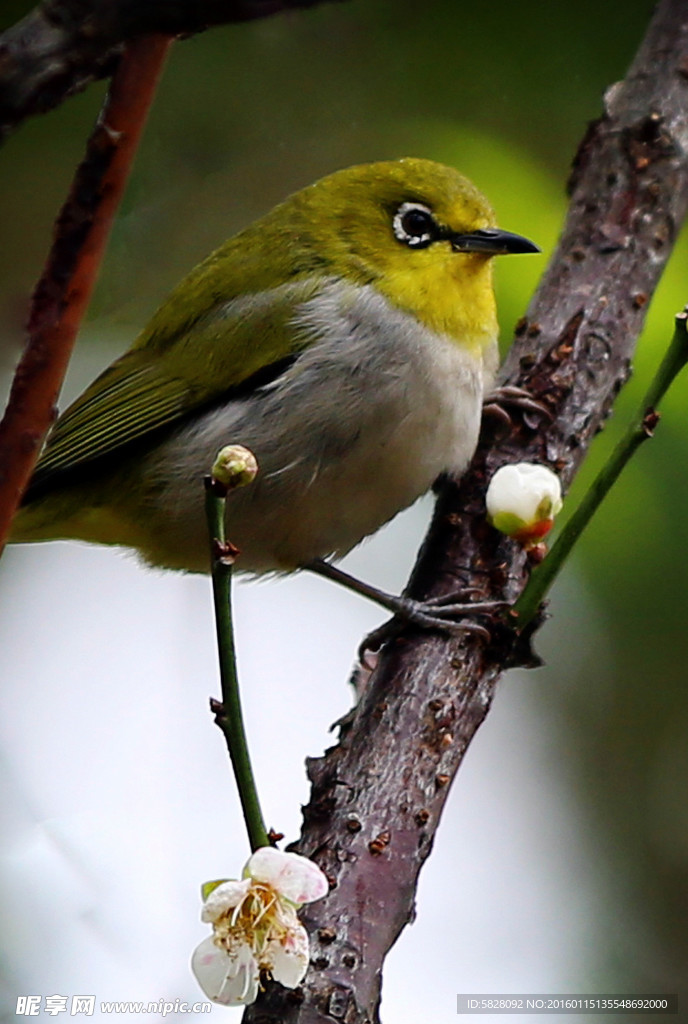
(64, 289)
(377, 796)
(64, 45)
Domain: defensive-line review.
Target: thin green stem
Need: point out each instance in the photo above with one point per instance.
(638, 431)
(229, 716)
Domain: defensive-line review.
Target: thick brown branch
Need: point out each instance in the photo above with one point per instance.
(63, 45)
(377, 797)
(63, 292)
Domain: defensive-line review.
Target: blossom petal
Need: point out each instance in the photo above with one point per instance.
(287, 958)
(228, 980)
(223, 898)
(294, 877)
(208, 887)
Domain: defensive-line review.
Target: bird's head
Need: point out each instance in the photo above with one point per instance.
(417, 231)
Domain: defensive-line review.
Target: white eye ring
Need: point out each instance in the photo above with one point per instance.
(416, 239)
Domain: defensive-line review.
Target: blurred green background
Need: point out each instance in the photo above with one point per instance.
(503, 91)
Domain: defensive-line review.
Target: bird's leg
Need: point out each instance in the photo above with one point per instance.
(444, 613)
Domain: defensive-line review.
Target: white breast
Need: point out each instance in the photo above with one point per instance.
(357, 429)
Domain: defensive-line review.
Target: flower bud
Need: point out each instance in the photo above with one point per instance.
(234, 466)
(522, 501)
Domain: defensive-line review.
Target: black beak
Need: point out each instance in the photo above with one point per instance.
(492, 242)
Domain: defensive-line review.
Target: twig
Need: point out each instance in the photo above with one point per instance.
(63, 292)
(228, 714)
(639, 430)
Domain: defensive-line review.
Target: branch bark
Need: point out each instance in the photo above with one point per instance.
(63, 45)
(377, 796)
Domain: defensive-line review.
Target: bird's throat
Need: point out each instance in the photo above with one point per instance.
(454, 299)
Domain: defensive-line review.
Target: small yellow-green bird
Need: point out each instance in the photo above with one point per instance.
(347, 338)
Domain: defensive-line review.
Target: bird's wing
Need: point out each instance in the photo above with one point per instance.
(171, 370)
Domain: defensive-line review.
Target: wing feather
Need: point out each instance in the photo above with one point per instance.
(159, 381)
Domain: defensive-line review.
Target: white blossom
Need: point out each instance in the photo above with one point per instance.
(256, 927)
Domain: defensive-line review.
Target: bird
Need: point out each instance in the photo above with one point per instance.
(347, 338)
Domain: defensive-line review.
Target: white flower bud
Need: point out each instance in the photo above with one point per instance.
(522, 501)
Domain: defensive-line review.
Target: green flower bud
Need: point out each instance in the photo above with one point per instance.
(234, 466)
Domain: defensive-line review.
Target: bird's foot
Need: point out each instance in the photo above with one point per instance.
(444, 614)
(450, 613)
(497, 403)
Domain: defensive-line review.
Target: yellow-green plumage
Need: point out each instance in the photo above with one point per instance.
(321, 295)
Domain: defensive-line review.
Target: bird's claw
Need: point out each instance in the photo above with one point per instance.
(448, 606)
(373, 641)
(497, 402)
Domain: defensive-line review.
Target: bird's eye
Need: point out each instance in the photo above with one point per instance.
(414, 225)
